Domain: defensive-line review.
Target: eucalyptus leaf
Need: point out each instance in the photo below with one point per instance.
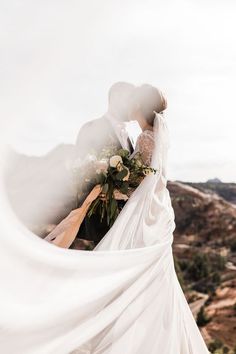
(105, 188)
(113, 207)
(123, 153)
(120, 175)
(103, 207)
(108, 217)
(124, 188)
(93, 207)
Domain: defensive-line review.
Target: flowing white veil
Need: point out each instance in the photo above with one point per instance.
(123, 297)
(161, 132)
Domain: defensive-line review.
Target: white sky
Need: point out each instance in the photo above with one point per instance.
(59, 58)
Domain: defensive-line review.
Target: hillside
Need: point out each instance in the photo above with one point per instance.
(224, 190)
(205, 253)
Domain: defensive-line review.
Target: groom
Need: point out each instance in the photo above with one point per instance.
(111, 127)
(109, 130)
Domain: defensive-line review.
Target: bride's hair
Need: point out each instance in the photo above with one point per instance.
(149, 100)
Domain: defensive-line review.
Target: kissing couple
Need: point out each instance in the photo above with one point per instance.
(124, 295)
(128, 125)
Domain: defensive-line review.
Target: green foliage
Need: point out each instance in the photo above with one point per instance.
(122, 178)
(233, 246)
(216, 344)
(219, 262)
(123, 153)
(199, 267)
(204, 272)
(183, 265)
(202, 318)
(216, 278)
(122, 174)
(223, 350)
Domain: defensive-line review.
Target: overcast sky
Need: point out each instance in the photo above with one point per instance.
(59, 58)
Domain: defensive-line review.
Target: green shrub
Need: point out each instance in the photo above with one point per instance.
(233, 246)
(199, 267)
(216, 278)
(183, 265)
(216, 344)
(220, 262)
(225, 350)
(202, 318)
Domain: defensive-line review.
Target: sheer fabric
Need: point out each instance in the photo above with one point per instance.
(122, 298)
(145, 146)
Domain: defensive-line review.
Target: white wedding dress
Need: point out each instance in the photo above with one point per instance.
(122, 298)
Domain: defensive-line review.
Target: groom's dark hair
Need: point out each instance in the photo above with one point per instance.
(119, 99)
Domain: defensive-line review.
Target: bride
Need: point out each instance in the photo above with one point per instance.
(124, 297)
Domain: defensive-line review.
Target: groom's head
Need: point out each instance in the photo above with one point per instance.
(147, 100)
(120, 96)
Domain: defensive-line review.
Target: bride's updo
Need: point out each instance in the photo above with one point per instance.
(149, 100)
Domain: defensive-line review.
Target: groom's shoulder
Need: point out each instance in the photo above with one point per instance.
(92, 129)
(93, 124)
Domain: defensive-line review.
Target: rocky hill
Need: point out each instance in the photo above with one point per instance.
(224, 190)
(205, 255)
(202, 217)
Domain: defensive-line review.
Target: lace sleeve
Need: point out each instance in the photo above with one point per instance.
(145, 146)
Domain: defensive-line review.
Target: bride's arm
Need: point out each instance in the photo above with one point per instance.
(65, 233)
(145, 146)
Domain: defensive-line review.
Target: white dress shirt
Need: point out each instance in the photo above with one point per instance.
(120, 129)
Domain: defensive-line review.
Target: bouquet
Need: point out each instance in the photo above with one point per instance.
(118, 176)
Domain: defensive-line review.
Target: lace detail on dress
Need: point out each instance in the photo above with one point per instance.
(145, 146)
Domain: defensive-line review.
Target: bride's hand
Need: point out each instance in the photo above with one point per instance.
(94, 193)
(120, 196)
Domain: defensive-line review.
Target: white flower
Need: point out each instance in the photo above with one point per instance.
(126, 178)
(115, 160)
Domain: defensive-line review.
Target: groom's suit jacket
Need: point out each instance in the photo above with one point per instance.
(94, 135)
